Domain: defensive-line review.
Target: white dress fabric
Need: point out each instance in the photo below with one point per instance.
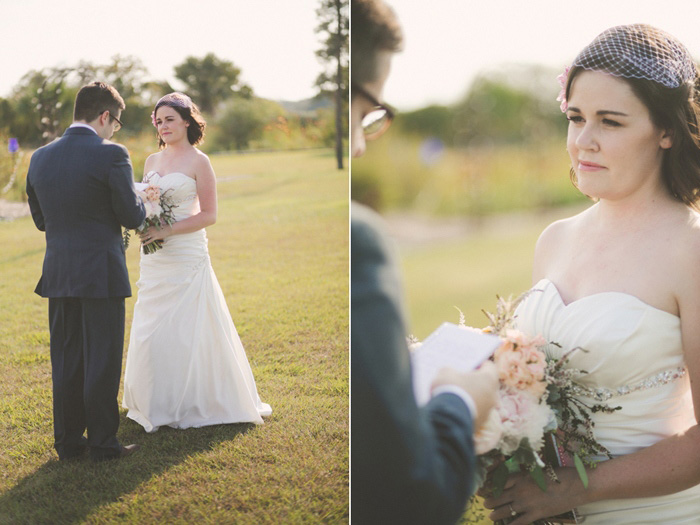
(634, 360)
(185, 366)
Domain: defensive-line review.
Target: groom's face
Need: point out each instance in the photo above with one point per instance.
(108, 125)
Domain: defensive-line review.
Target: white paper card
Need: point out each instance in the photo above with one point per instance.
(140, 186)
(449, 346)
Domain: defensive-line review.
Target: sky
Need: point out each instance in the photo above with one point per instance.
(449, 42)
(273, 42)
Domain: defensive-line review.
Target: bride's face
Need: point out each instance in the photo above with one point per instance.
(615, 148)
(171, 126)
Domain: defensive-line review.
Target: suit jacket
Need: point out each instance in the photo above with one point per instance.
(408, 464)
(81, 191)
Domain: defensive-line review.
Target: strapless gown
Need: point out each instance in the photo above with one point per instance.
(634, 360)
(185, 366)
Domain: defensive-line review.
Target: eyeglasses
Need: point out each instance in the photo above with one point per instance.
(119, 122)
(377, 121)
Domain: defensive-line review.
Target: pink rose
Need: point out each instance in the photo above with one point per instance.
(153, 209)
(489, 435)
(562, 94)
(520, 363)
(153, 193)
(522, 416)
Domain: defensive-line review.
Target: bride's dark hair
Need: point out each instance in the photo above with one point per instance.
(666, 80)
(189, 112)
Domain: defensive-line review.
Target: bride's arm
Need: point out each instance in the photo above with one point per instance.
(206, 191)
(669, 466)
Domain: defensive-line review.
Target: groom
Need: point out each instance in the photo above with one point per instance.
(81, 191)
(409, 464)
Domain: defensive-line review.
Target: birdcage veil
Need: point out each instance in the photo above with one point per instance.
(639, 51)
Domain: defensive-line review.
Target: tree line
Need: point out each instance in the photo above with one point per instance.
(512, 105)
(40, 106)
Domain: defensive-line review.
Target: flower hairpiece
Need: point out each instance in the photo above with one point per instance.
(562, 94)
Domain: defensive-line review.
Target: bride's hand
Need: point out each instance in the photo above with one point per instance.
(523, 497)
(152, 234)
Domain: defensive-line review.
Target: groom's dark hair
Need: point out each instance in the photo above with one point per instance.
(96, 98)
(374, 28)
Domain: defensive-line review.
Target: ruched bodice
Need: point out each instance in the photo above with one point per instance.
(633, 354)
(187, 250)
(180, 189)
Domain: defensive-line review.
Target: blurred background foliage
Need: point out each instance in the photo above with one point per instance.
(40, 108)
(502, 147)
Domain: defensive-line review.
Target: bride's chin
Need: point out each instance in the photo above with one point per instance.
(169, 139)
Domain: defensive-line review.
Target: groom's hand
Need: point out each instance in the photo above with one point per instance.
(481, 385)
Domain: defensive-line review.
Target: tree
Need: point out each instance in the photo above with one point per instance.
(242, 121)
(334, 25)
(126, 74)
(41, 105)
(506, 107)
(210, 80)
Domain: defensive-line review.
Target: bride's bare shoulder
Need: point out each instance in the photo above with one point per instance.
(690, 232)
(553, 242)
(560, 230)
(151, 161)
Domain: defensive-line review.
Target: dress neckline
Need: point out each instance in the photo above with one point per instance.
(171, 173)
(592, 296)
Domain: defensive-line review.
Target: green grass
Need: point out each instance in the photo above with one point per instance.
(465, 274)
(280, 252)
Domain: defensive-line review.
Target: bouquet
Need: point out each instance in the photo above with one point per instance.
(538, 422)
(159, 213)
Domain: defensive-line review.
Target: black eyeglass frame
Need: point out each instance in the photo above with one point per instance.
(390, 112)
(121, 125)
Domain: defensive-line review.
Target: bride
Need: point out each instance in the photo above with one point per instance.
(622, 281)
(186, 366)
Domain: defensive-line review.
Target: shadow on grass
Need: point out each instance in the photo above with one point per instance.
(23, 255)
(67, 492)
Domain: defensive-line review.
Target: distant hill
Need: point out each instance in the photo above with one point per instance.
(307, 107)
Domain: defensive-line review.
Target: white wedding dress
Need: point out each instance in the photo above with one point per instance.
(186, 366)
(634, 360)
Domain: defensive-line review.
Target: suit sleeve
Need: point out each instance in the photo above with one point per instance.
(409, 464)
(126, 204)
(34, 206)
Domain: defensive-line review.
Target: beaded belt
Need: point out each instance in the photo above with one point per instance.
(604, 394)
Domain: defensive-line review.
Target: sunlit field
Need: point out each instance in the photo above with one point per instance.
(280, 252)
(400, 172)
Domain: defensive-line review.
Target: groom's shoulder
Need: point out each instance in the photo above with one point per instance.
(371, 245)
(109, 149)
(48, 147)
(367, 226)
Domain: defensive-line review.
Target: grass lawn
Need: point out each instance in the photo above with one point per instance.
(467, 272)
(280, 252)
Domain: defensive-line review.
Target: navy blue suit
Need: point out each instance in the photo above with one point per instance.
(409, 464)
(81, 192)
